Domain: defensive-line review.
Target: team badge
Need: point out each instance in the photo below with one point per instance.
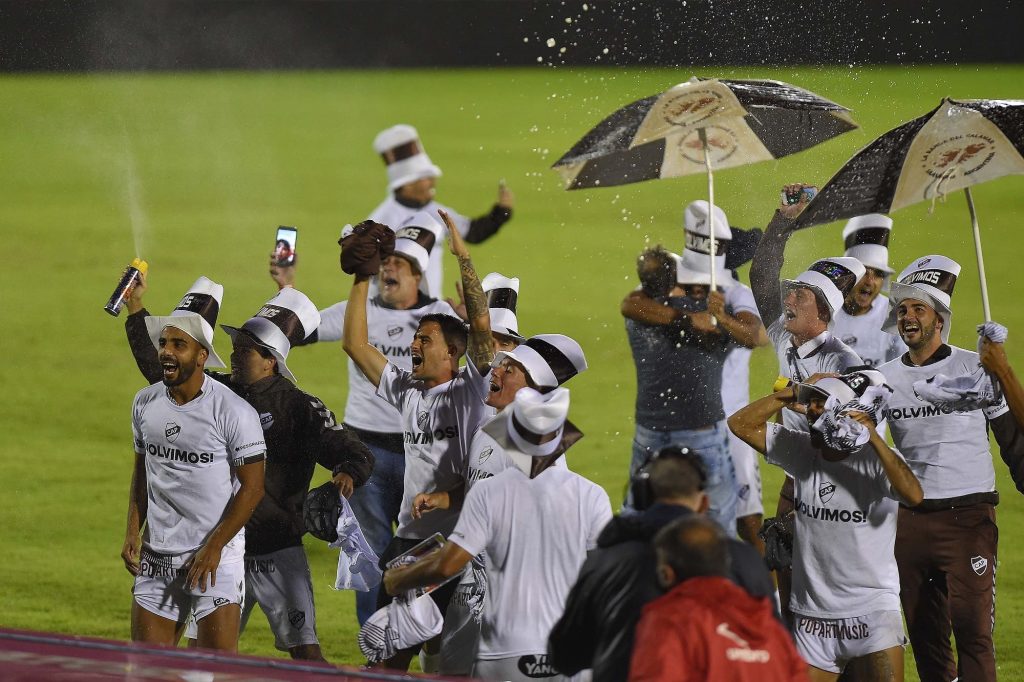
(219, 601)
(485, 454)
(979, 564)
(394, 331)
(421, 420)
(296, 618)
(266, 420)
(744, 491)
(171, 431)
(826, 491)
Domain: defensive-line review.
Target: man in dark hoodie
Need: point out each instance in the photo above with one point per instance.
(597, 628)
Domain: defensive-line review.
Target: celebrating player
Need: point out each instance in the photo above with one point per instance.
(199, 463)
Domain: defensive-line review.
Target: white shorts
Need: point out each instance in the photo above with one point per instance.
(831, 643)
(160, 588)
(280, 583)
(748, 477)
(460, 635)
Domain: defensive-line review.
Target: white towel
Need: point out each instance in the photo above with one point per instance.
(960, 394)
(399, 625)
(357, 563)
(844, 433)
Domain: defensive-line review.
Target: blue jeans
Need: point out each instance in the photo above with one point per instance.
(376, 505)
(712, 444)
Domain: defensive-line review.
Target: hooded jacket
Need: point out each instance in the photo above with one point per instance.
(300, 432)
(709, 629)
(616, 581)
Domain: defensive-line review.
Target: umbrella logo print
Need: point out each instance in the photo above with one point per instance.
(967, 153)
(722, 144)
(692, 107)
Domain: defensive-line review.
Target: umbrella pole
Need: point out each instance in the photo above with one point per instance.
(711, 201)
(978, 254)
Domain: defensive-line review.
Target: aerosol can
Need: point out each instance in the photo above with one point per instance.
(132, 274)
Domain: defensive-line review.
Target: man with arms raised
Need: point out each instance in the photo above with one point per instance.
(939, 417)
(199, 458)
(845, 593)
(441, 406)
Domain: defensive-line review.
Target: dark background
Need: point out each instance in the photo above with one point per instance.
(93, 35)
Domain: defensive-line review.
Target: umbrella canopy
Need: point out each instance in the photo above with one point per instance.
(959, 144)
(743, 121)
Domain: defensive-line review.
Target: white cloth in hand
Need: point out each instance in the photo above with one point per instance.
(973, 391)
(993, 331)
(838, 430)
(358, 567)
(399, 625)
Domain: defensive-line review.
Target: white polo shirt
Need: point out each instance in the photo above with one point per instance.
(190, 452)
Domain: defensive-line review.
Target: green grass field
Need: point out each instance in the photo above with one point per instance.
(195, 171)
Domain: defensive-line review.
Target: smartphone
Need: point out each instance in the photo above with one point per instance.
(284, 248)
(794, 198)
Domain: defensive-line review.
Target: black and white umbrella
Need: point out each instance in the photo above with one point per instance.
(959, 144)
(699, 126)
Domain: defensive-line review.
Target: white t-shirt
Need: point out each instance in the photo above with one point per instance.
(438, 425)
(536, 533)
(947, 451)
(823, 353)
(393, 214)
(864, 335)
(391, 331)
(736, 370)
(843, 547)
(190, 452)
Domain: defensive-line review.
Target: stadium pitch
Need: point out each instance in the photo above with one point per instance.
(194, 173)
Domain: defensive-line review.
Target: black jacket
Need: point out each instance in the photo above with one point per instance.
(616, 581)
(300, 432)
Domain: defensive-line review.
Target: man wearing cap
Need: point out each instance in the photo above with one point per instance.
(536, 522)
(734, 313)
(412, 178)
(939, 417)
(848, 482)
(441, 405)
(392, 316)
(858, 323)
(198, 476)
(300, 432)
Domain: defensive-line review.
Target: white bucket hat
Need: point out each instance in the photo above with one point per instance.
(415, 239)
(282, 322)
(831, 278)
(866, 238)
(502, 295)
(930, 279)
(403, 153)
(694, 266)
(196, 315)
(533, 417)
(549, 359)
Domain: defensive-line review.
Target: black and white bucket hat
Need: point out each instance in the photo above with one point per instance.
(930, 279)
(502, 296)
(866, 238)
(549, 359)
(196, 315)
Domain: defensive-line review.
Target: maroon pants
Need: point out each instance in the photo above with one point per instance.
(947, 562)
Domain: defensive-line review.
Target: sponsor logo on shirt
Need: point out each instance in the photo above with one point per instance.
(536, 666)
(478, 475)
(427, 437)
(154, 566)
(176, 455)
(171, 431)
(898, 413)
(826, 491)
(822, 514)
(266, 420)
(742, 652)
(979, 564)
(394, 351)
(249, 445)
(834, 629)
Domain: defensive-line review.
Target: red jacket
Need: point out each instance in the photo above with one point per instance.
(710, 629)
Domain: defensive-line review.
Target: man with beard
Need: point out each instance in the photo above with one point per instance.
(946, 400)
(848, 481)
(441, 406)
(300, 432)
(412, 179)
(392, 316)
(198, 476)
(859, 323)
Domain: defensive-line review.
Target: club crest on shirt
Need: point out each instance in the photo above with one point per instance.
(421, 420)
(485, 454)
(394, 331)
(979, 564)
(171, 431)
(826, 491)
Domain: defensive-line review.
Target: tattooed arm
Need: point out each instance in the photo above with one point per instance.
(480, 349)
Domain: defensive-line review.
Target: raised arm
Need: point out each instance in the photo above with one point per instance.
(1008, 428)
(138, 338)
(766, 266)
(480, 348)
(750, 424)
(485, 226)
(355, 338)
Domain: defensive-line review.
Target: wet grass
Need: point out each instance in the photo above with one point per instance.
(205, 166)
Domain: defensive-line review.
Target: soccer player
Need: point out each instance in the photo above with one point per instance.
(536, 522)
(858, 323)
(199, 466)
(441, 406)
(947, 544)
(412, 179)
(300, 433)
(392, 316)
(845, 592)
